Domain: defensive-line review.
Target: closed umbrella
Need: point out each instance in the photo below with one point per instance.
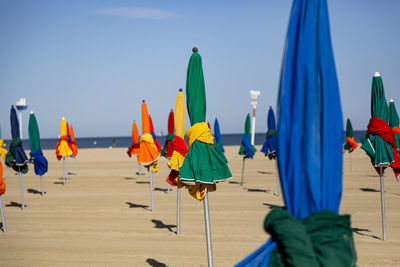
(246, 149)
(153, 134)
(350, 144)
(380, 143)
(167, 150)
(74, 147)
(135, 147)
(309, 231)
(217, 141)
(2, 191)
(148, 152)
(39, 161)
(63, 150)
(16, 157)
(3, 151)
(179, 151)
(203, 167)
(394, 123)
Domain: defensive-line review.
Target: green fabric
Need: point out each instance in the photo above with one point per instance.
(169, 138)
(322, 239)
(271, 133)
(34, 137)
(247, 133)
(202, 163)
(394, 122)
(10, 161)
(217, 147)
(383, 154)
(349, 133)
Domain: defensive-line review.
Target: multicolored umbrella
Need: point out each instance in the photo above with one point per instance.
(309, 230)
(154, 135)
(247, 150)
(39, 161)
(63, 150)
(179, 152)
(2, 191)
(380, 143)
(350, 142)
(203, 167)
(73, 145)
(148, 152)
(167, 150)
(135, 147)
(394, 123)
(269, 146)
(16, 157)
(217, 135)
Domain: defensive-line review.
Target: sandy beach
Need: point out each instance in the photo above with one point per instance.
(101, 217)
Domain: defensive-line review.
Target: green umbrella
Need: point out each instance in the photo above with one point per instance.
(203, 166)
(246, 149)
(350, 144)
(394, 123)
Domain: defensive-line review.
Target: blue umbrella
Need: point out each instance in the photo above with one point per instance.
(217, 135)
(269, 146)
(310, 134)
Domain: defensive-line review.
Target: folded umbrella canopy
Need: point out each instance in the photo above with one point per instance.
(380, 143)
(39, 161)
(350, 144)
(63, 149)
(154, 135)
(135, 147)
(2, 191)
(394, 123)
(16, 157)
(309, 232)
(3, 151)
(217, 141)
(269, 146)
(167, 150)
(203, 167)
(246, 148)
(73, 145)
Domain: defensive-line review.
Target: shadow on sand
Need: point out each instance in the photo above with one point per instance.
(360, 231)
(34, 191)
(257, 190)
(271, 206)
(263, 172)
(142, 182)
(233, 182)
(133, 205)
(155, 263)
(129, 178)
(160, 225)
(15, 204)
(165, 190)
(369, 190)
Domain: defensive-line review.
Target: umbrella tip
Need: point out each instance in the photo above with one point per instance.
(391, 100)
(377, 74)
(143, 101)
(31, 112)
(270, 106)
(195, 49)
(180, 90)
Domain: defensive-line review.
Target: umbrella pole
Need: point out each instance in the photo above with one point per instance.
(208, 230)
(168, 189)
(278, 185)
(2, 216)
(151, 188)
(140, 170)
(63, 170)
(66, 171)
(383, 205)
(22, 189)
(351, 165)
(178, 211)
(242, 181)
(76, 167)
(41, 184)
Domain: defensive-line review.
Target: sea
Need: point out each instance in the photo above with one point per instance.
(125, 141)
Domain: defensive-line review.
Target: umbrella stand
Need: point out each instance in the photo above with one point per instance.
(383, 205)
(151, 188)
(351, 165)
(41, 185)
(278, 185)
(63, 170)
(22, 189)
(2, 216)
(208, 230)
(178, 211)
(241, 182)
(76, 167)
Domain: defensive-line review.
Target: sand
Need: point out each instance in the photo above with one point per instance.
(101, 217)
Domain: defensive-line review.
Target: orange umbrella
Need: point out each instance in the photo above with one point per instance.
(135, 147)
(2, 190)
(73, 146)
(154, 135)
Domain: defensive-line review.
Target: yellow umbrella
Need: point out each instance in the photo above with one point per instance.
(3, 151)
(62, 148)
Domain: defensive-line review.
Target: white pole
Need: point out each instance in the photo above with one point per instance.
(41, 183)
(22, 189)
(178, 211)
(3, 221)
(278, 185)
(63, 170)
(351, 165)
(76, 167)
(20, 123)
(66, 172)
(383, 205)
(242, 181)
(208, 230)
(253, 125)
(140, 170)
(151, 188)
(169, 188)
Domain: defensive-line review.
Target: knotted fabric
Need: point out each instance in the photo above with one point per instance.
(62, 148)
(148, 153)
(39, 161)
(16, 157)
(199, 132)
(246, 148)
(167, 150)
(180, 149)
(351, 144)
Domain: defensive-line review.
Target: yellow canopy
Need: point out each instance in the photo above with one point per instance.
(3, 151)
(64, 149)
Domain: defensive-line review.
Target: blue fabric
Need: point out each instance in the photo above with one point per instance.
(14, 123)
(247, 147)
(217, 134)
(19, 153)
(270, 145)
(271, 120)
(39, 161)
(310, 125)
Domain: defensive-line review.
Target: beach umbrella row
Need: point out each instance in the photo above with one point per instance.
(167, 150)
(350, 144)
(309, 231)
(247, 150)
(63, 150)
(135, 147)
(394, 123)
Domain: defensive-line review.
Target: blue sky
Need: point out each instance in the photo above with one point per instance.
(94, 61)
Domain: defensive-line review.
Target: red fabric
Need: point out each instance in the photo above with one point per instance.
(62, 138)
(69, 139)
(132, 150)
(171, 179)
(379, 127)
(171, 126)
(169, 150)
(152, 132)
(352, 143)
(396, 130)
(2, 183)
(179, 145)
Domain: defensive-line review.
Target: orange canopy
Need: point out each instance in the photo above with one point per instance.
(2, 183)
(135, 147)
(73, 146)
(148, 153)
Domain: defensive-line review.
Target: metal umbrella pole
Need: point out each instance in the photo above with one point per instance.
(76, 167)
(63, 170)
(66, 171)
(41, 185)
(278, 185)
(208, 229)
(140, 170)
(22, 189)
(151, 188)
(242, 181)
(383, 204)
(351, 165)
(178, 211)
(3, 221)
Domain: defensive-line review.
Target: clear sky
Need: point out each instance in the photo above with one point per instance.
(94, 61)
